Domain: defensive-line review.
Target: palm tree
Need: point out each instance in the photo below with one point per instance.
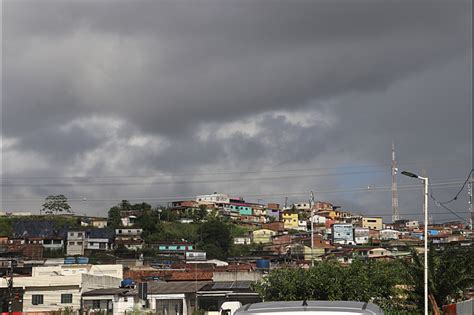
(450, 271)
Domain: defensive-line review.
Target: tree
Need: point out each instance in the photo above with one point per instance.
(329, 280)
(56, 204)
(215, 238)
(199, 214)
(449, 273)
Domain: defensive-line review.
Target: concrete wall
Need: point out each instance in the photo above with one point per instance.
(237, 276)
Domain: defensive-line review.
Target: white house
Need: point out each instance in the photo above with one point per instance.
(361, 235)
(47, 291)
(388, 234)
(75, 243)
(318, 219)
(173, 297)
(215, 198)
(302, 206)
(99, 239)
(113, 301)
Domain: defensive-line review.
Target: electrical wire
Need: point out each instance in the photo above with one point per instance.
(460, 190)
(227, 173)
(448, 209)
(176, 182)
(447, 184)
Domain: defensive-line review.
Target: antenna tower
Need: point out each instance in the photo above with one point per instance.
(395, 210)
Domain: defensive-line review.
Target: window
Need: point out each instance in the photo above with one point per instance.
(96, 304)
(91, 243)
(37, 299)
(71, 243)
(71, 234)
(102, 246)
(125, 299)
(66, 298)
(79, 243)
(79, 234)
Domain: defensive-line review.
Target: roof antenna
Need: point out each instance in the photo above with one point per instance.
(305, 303)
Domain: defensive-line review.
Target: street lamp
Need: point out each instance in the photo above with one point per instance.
(425, 206)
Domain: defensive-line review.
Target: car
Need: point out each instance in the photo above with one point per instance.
(229, 307)
(310, 308)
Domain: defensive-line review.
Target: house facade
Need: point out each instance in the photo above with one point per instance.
(75, 243)
(262, 236)
(372, 223)
(112, 301)
(342, 233)
(290, 220)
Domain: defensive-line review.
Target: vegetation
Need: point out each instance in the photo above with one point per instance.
(396, 286)
(215, 238)
(450, 272)
(55, 204)
(375, 281)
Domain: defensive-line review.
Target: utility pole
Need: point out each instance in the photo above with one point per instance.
(312, 229)
(10, 288)
(286, 202)
(395, 209)
(470, 188)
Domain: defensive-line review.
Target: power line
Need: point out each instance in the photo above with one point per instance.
(460, 190)
(179, 182)
(446, 208)
(228, 173)
(448, 184)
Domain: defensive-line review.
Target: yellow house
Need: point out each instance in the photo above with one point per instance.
(290, 221)
(373, 223)
(301, 251)
(262, 236)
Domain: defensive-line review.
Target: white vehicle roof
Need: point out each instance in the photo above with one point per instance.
(310, 308)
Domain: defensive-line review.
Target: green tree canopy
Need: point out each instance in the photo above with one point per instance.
(214, 237)
(450, 271)
(374, 281)
(56, 204)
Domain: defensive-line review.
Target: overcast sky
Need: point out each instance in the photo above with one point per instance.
(149, 100)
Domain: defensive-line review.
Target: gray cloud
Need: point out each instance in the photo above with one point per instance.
(168, 72)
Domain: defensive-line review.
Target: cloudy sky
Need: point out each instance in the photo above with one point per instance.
(161, 100)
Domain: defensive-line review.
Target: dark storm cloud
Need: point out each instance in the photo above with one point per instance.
(168, 70)
(214, 60)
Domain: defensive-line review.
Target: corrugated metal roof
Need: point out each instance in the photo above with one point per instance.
(175, 287)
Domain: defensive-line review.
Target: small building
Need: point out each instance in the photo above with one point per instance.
(372, 223)
(113, 301)
(262, 236)
(278, 227)
(99, 239)
(53, 243)
(273, 213)
(173, 248)
(173, 297)
(47, 291)
(243, 240)
(243, 209)
(412, 224)
(342, 233)
(75, 243)
(216, 199)
(387, 235)
(361, 235)
(99, 223)
(290, 220)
